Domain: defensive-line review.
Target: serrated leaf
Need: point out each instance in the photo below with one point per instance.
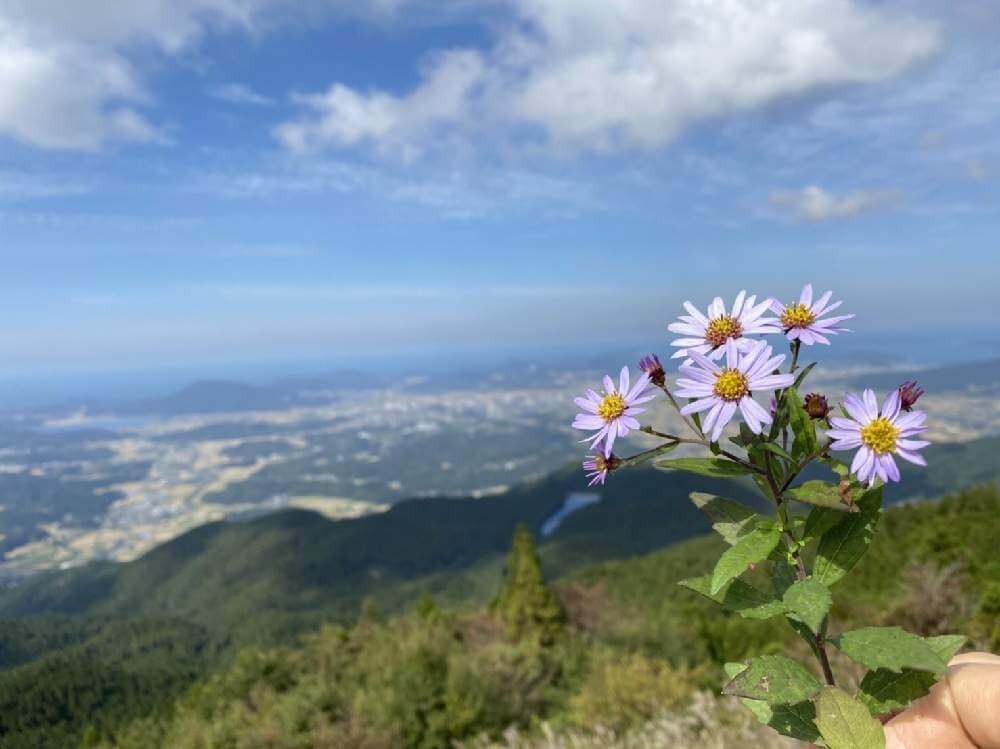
(845, 543)
(809, 602)
(802, 426)
(739, 597)
(714, 467)
(729, 519)
(775, 679)
(819, 521)
(892, 648)
(820, 494)
(845, 723)
(883, 691)
(796, 721)
(754, 546)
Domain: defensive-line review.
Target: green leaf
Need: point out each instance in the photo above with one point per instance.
(845, 723)
(819, 521)
(739, 597)
(753, 547)
(797, 721)
(802, 426)
(809, 602)
(773, 448)
(714, 467)
(845, 543)
(803, 373)
(775, 679)
(891, 648)
(820, 494)
(883, 691)
(729, 519)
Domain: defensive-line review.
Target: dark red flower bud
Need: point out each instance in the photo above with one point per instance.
(651, 366)
(909, 393)
(816, 406)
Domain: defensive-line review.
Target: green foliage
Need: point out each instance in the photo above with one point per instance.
(624, 691)
(713, 467)
(525, 603)
(774, 679)
(845, 543)
(891, 648)
(884, 690)
(808, 601)
(729, 519)
(752, 547)
(737, 596)
(820, 494)
(844, 722)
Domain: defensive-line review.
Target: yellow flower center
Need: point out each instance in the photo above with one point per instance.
(721, 329)
(880, 435)
(797, 316)
(611, 407)
(731, 385)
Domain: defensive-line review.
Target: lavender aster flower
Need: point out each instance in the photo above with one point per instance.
(598, 467)
(804, 320)
(708, 334)
(613, 414)
(721, 390)
(878, 435)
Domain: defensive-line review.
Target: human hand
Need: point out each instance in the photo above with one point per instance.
(962, 711)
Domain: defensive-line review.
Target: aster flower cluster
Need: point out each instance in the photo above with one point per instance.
(739, 401)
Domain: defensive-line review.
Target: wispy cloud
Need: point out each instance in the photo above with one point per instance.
(813, 203)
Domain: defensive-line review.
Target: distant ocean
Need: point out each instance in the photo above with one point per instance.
(918, 348)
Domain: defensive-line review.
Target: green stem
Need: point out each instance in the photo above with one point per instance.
(646, 455)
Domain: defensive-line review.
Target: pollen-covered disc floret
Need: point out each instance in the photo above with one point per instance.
(878, 435)
(804, 320)
(612, 414)
(723, 390)
(708, 333)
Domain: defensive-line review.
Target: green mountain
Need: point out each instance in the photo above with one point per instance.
(265, 579)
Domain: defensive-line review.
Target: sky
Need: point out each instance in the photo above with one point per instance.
(187, 182)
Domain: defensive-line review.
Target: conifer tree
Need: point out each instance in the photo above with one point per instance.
(528, 606)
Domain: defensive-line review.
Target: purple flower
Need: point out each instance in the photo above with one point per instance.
(804, 320)
(613, 413)
(721, 390)
(909, 393)
(651, 366)
(878, 435)
(598, 467)
(708, 334)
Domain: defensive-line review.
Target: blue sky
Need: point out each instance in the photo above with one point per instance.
(187, 181)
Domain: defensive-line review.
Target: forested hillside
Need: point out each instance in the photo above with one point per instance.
(624, 644)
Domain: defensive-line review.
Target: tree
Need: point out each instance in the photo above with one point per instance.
(526, 604)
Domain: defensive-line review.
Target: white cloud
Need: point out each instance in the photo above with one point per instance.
(813, 203)
(66, 77)
(589, 75)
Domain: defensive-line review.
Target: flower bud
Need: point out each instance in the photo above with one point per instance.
(652, 367)
(816, 406)
(909, 393)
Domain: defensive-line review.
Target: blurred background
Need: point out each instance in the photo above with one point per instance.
(293, 263)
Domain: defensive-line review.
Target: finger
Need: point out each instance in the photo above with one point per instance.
(987, 658)
(975, 690)
(931, 721)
